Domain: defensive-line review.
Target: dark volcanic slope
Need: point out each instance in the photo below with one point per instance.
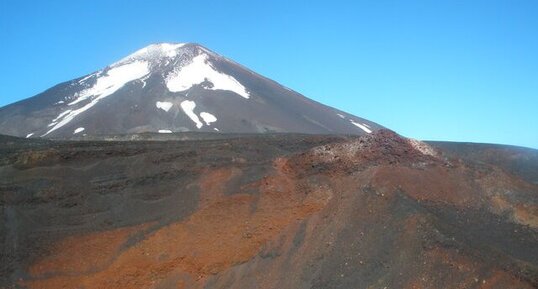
(515, 160)
(267, 211)
(173, 88)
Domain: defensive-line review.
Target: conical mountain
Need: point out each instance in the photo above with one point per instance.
(173, 87)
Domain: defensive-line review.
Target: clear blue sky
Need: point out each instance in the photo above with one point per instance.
(439, 70)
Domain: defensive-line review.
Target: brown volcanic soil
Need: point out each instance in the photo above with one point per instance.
(269, 211)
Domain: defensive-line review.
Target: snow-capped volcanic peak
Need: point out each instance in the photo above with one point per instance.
(184, 66)
(181, 66)
(155, 51)
(173, 87)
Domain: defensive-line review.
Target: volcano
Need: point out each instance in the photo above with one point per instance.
(173, 87)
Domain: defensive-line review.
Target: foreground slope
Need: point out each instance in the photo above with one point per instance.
(173, 87)
(266, 211)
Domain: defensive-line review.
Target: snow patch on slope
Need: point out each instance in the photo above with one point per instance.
(188, 107)
(60, 116)
(208, 118)
(143, 79)
(80, 129)
(366, 128)
(115, 79)
(200, 70)
(164, 105)
(106, 85)
(86, 78)
(361, 126)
